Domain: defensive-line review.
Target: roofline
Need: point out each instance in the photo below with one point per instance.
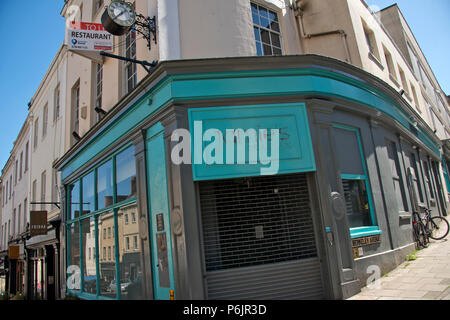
(216, 65)
(418, 45)
(47, 74)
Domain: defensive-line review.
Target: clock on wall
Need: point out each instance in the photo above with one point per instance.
(118, 17)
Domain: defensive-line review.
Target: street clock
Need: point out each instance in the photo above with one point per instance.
(118, 17)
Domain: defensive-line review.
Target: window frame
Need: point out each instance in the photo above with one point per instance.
(114, 208)
(127, 64)
(269, 30)
(44, 121)
(57, 105)
(373, 229)
(98, 89)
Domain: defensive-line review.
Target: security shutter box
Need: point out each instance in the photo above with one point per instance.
(258, 239)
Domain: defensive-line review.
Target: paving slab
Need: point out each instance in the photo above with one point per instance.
(425, 278)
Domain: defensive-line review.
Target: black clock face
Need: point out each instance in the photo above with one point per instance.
(122, 13)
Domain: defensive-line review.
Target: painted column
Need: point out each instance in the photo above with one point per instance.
(183, 215)
(385, 177)
(169, 30)
(142, 191)
(333, 205)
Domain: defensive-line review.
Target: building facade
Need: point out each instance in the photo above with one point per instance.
(47, 113)
(362, 126)
(15, 197)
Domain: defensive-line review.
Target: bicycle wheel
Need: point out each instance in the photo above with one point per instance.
(439, 228)
(420, 234)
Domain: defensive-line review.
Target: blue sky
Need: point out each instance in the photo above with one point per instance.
(34, 30)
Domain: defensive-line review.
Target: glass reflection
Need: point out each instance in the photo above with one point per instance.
(74, 190)
(106, 263)
(130, 252)
(73, 268)
(105, 185)
(89, 268)
(88, 193)
(126, 174)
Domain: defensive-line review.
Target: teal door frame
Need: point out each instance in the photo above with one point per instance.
(159, 219)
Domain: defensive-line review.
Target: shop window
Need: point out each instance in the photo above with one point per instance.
(357, 202)
(105, 185)
(126, 175)
(267, 31)
(73, 280)
(106, 195)
(88, 183)
(355, 181)
(74, 190)
(107, 267)
(89, 267)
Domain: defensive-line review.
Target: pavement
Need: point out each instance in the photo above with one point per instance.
(425, 278)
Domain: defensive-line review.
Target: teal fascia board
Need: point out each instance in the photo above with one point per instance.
(364, 231)
(296, 153)
(285, 82)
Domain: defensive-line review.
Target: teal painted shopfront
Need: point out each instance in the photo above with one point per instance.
(302, 219)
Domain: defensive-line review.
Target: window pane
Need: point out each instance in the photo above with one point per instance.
(88, 193)
(254, 9)
(257, 35)
(129, 255)
(74, 200)
(126, 174)
(357, 203)
(89, 267)
(73, 265)
(273, 16)
(267, 50)
(265, 36)
(255, 14)
(276, 51)
(263, 12)
(258, 48)
(275, 40)
(349, 157)
(105, 185)
(107, 265)
(265, 22)
(275, 26)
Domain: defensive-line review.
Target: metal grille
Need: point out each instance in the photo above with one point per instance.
(347, 196)
(256, 221)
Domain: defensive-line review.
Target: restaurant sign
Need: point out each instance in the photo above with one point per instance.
(89, 36)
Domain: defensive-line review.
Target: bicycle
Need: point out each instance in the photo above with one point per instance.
(419, 231)
(437, 228)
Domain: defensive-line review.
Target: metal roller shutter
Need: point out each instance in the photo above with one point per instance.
(258, 239)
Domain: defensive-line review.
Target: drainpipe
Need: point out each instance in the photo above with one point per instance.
(298, 11)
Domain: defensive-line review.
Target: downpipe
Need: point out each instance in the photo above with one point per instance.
(298, 12)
